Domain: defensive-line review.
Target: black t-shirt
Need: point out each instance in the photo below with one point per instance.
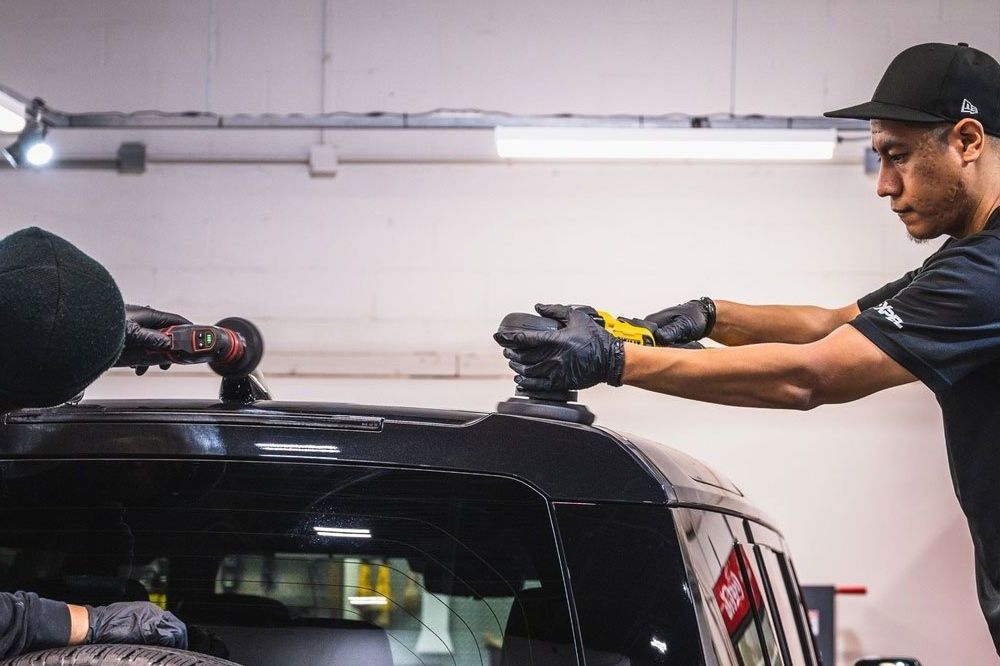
(942, 323)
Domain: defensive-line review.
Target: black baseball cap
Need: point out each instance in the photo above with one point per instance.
(934, 83)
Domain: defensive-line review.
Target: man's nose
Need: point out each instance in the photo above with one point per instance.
(888, 183)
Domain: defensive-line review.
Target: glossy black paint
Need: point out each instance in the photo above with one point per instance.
(565, 461)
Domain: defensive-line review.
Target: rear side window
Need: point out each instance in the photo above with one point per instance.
(630, 585)
(755, 577)
(298, 563)
(784, 596)
(783, 605)
(731, 591)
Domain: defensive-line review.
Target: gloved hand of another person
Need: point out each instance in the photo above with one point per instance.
(142, 333)
(136, 622)
(682, 323)
(576, 356)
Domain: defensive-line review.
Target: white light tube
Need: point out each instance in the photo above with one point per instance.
(299, 448)
(627, 143)
(368, 601)
(11, 114)
(343, 532)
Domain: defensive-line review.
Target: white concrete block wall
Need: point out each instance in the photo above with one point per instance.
(405, 269)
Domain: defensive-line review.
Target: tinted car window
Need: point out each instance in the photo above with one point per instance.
(786, 593)
(731, 589)
(795, 593)
(296, 563)
(756, 578)
(784, 606)
(630, 585)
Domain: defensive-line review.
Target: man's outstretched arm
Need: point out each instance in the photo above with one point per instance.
(737, 324)
(29, 622)
(840, 367)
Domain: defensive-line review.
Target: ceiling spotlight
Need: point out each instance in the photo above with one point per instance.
(39, 154)
(31, 147)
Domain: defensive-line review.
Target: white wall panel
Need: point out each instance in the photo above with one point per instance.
(97, 55)
(531, 57)
(387, 246)
(252, 68)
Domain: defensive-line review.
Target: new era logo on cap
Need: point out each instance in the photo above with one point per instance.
(969, 107)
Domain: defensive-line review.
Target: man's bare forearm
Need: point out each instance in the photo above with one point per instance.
(737, 324)
(766, 375)
(842, 367)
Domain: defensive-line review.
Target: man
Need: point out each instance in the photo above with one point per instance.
(935, 123)
(63, 323)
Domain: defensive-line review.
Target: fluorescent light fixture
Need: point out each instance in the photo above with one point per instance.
(12, 119)
(343, 532)
(634, 143)
(368, 601)
(299, 448)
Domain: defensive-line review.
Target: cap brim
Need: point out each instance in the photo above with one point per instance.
(882, 111)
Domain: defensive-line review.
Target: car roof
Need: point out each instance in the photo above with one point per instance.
(564, 461)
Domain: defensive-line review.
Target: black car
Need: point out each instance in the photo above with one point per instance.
(315, 533)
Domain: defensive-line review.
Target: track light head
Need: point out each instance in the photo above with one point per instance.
(31, 148)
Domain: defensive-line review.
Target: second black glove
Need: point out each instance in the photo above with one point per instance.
(686, 322)
(137, 623)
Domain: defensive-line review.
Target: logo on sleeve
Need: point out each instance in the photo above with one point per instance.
(886, 311)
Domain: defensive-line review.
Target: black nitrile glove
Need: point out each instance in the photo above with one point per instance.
(137, 623)
(207, 642)
(682, 323)
(142, 334)
(576, 356)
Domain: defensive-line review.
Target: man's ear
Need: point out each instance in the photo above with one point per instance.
(972, 136)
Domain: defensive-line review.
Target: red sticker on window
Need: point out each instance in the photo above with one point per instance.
(731, 595)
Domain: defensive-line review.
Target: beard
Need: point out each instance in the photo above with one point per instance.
(914, 239)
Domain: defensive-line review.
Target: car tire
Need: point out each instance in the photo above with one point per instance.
(115, 655)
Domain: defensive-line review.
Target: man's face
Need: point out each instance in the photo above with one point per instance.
(921, 173)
